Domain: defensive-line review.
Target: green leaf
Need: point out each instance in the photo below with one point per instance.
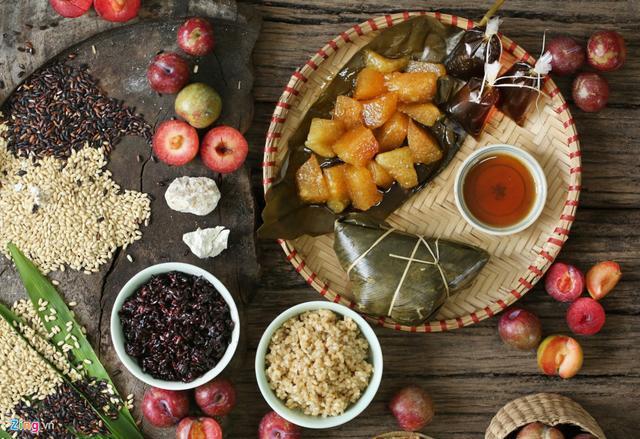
(40, 289)
(120, 428)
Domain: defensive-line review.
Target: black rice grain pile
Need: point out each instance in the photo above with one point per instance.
(177, 326)
(60, 108)
(65, 409)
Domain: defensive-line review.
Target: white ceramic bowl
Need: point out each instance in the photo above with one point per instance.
(296, 416)
(117, 336)
(536, 172)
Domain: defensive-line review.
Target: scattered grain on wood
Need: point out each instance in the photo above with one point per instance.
(83, 215)
(60, 108)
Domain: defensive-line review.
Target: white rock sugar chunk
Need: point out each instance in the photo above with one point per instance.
(196, 195)
(207, 243)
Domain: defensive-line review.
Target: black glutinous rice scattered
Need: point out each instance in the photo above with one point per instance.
(177, 326)
(66, 410)
(60, 108)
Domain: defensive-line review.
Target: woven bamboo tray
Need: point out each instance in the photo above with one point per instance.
(549, 408)
(517, 262)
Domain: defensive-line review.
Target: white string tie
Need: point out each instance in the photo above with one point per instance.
(491, 70)
(541, 69)
(363, 255)
(411, 259)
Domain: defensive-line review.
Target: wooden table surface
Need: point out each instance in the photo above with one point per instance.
(469, 372)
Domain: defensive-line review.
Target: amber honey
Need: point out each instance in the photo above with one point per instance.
(499, 190)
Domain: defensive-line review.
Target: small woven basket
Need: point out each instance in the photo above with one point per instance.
(402, 435)
(549, 408)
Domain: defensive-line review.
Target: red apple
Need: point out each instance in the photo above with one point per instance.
(590, 92)
(520, 328)
(567, 56)
(164, 408)
(564, 282)
(538, 430)
(175, 142)
(224, 149)
(117, 10)
(585, 316)
(273, 426)
(168, 73)
(71, 8)
(198, 428)
(560, 355)
(606, 50)
(412, 407)
(602, 278)
(195, 37)
(217, 397)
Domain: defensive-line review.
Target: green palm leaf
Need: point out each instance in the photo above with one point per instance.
(40, 289)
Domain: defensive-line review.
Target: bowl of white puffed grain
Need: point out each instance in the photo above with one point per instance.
(319, 364)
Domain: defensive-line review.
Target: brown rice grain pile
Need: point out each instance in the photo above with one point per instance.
(67, 214)
(317, 362)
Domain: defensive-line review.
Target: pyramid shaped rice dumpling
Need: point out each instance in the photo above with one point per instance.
(399, 275)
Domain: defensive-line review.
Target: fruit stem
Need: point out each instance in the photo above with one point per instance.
(491, 12)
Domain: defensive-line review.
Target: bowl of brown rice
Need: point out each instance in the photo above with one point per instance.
(319, 364)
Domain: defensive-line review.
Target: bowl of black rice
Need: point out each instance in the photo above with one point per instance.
(175, 326)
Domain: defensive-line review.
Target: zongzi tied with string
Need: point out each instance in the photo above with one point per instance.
(399, 275)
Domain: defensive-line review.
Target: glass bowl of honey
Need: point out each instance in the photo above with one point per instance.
(500, 189)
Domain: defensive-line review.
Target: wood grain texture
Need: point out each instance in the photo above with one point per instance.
(469, 372)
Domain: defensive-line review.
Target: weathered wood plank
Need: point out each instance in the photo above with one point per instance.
(464, 408)
(589, 11)
(299, 30)
(605, 354)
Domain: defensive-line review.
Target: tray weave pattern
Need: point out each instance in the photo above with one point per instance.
(517, 262)
(548, 408)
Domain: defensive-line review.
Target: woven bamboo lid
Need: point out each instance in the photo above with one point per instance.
(549, 408)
